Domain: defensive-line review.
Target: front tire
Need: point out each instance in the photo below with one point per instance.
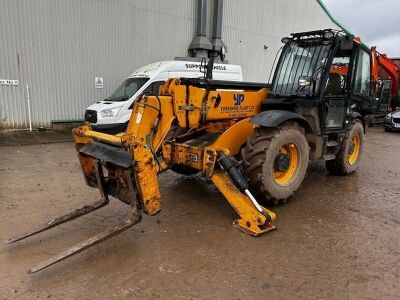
(275, 161)
(349, 155)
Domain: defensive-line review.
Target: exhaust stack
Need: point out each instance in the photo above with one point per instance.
(200, 45)
(216, 33)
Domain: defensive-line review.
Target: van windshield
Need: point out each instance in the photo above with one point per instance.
(127, 89)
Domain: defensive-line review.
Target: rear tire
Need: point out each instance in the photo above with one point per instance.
(275, 161)
(349, 155)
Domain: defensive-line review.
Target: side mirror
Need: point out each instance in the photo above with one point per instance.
(305, 80)
(222, 53)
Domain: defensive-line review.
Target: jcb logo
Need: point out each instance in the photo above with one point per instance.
(238, 99)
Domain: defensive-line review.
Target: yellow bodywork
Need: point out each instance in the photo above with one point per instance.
(222, 115)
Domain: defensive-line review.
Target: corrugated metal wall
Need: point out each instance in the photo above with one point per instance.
(249, 25)
(58, 47)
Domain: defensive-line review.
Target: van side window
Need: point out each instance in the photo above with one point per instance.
(154, 87)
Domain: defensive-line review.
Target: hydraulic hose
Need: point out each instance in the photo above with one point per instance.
(229, 165)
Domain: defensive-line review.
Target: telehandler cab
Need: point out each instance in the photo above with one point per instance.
(250, 142)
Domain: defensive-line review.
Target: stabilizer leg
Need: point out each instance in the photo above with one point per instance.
(251, 220)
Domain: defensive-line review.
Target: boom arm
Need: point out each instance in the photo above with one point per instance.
(126, 165)
(146, 150)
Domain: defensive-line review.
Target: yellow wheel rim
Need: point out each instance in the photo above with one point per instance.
(354, 149)
(291, 154)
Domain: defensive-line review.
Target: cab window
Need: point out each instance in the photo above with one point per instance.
(362, 74)
(338, 73)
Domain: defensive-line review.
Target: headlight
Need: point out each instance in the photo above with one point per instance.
(388, 117)
(328, 34)
(110, 112)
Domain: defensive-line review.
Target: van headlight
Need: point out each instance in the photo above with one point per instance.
(388, 117)
(110, 112)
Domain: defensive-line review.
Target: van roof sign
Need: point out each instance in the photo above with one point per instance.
(182, 68)
(197, 66)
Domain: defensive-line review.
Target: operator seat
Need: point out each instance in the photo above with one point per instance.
(334, 84)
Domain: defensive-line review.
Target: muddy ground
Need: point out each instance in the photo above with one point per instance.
(338, 238)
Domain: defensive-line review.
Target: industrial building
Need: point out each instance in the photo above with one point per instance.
(52, 51)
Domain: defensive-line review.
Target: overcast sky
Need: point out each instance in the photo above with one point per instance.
(376, 22)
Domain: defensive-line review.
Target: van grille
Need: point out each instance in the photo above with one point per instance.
(91, 116)
(396, 120)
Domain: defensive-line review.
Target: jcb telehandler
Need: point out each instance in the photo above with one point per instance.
(253, 141)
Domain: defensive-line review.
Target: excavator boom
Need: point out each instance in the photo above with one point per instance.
(382, 61)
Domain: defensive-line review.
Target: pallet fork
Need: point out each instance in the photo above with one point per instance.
(100, 237)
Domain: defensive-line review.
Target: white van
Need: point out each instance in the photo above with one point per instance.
(112, 114)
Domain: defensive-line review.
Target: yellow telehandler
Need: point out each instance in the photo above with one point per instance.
(253, 141)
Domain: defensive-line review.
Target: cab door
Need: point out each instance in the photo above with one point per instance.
(337, 91)
(361, 86)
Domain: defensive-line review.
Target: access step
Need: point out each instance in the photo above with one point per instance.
(331, 143)
(329, 156)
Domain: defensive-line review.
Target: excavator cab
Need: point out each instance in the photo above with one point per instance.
(381, 101)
